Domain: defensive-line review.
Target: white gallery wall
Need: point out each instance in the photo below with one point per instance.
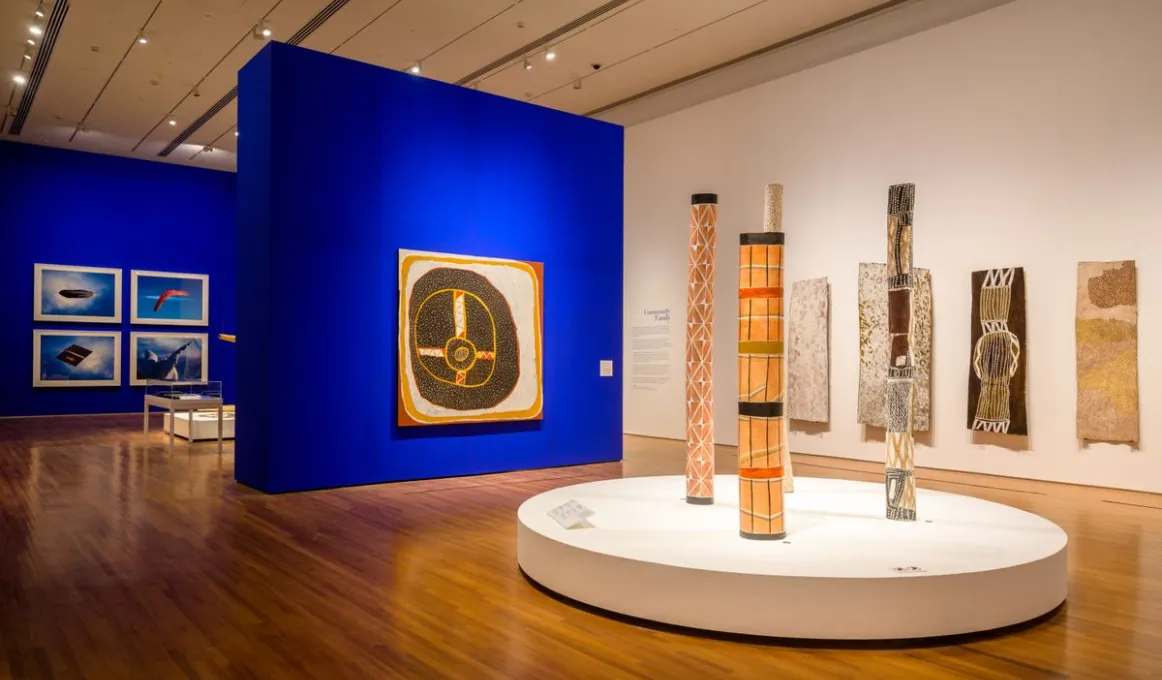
(1033, 133)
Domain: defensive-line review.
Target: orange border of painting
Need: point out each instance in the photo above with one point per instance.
(406, 413)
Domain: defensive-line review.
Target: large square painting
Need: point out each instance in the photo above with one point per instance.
(168, 356)
(76, 358)
(76, 294)
(469, 339)
(169, 299)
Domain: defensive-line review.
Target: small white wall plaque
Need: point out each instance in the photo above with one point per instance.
(606, 368)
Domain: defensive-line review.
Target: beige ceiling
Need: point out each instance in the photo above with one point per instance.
(103, 91)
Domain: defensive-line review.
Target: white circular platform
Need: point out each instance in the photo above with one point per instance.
(843, 573)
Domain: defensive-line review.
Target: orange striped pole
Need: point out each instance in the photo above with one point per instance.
(763, 464)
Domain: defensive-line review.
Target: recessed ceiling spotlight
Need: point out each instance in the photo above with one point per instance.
(528, 64)
(20, 80)
(172, 121)
(35, 30)
(416, 68)
(550, 54)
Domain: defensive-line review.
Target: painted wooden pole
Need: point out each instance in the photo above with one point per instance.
(764, 468)
(699, 351)
(900, 478)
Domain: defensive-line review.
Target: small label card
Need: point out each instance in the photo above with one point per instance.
(606, 368)
(907, 570)
(571, 514)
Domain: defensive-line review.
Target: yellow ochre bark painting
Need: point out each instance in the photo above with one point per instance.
(1107, 351)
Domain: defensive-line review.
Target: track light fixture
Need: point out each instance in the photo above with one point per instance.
(528, 64)
(416, 68)
(235, 133)
(28, 53)
(550, 54)
(576, 84)
(20, 79)
(39, 13)
(35, 30)
(208, 149)
(262, 31)
(30, 41)
(141, 39)
(172, 122)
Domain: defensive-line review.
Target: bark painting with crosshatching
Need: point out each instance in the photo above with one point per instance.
(807, 360)
(996, 376)
(1107, 351)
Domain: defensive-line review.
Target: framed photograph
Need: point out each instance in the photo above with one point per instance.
(76, 294)
(76, 358)
(168, 356)
(169, 299)
(469, 339)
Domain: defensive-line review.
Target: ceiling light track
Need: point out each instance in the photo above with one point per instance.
(365, 26)
(299, 36)
(52, 31)
(547, 39)
(137, 39)
(858, 16)
(169, 114)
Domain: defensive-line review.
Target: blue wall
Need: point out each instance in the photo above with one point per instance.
(75, 208)
(341, 165)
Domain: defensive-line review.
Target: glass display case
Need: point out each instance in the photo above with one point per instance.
(184, 389)
(181, 399)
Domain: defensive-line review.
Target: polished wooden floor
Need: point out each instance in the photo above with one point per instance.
(118, 560)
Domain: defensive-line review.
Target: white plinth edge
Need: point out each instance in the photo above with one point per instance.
(971, 565)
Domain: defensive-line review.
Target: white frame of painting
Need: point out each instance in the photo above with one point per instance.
(204, 321)
(204, 338)
(38, 313)
(38, 382)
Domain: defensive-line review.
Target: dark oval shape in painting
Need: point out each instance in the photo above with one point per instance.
(463, 343)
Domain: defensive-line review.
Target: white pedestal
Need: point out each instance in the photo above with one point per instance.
(843, 572)
(202, 426)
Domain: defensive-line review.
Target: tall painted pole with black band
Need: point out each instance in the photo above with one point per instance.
(763, 460)
(699, 350)
(900, 478)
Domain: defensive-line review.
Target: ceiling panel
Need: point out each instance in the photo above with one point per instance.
(195, 48)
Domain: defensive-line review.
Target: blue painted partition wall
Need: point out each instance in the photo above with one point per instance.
(341, 165)
(77, 208)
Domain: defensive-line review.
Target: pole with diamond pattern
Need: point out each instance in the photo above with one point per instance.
(699, 348)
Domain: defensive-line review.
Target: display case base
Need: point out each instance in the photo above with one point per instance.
(843, 571)
(204, 425)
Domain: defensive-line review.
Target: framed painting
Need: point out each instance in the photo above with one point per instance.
(76, 358)
(168, 356)
(169, 299)
(469, 339)
(76, 294)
